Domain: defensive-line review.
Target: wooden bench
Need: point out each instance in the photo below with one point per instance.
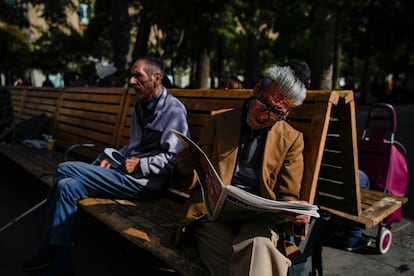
(135, 220)
(74, 122)
(339, 191)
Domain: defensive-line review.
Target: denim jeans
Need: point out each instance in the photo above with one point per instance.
(353, 233)
(76, 180)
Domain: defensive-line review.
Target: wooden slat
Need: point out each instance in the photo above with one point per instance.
(101, 123)
(17, 97)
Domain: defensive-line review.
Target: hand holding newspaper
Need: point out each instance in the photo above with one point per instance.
(230, 202)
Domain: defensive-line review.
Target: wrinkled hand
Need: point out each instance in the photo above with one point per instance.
(185, 161)
(131, 164)
(298, 219)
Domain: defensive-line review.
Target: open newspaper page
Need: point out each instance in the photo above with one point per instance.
(232, 203)
(211, 184)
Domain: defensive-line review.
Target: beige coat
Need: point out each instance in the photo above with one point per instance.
(282, 168)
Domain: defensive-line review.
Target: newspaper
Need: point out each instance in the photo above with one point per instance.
(230, 202)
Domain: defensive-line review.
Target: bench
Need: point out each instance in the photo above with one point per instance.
(339, 191)
(135, 220)
(338, 194)
(77, 111)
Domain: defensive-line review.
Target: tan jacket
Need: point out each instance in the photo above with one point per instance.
(282, 168)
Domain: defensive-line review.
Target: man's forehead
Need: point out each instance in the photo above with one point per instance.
(275, 97)
(138, 66)
(272, 92)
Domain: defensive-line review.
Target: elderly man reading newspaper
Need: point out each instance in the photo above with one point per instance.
(254, 149)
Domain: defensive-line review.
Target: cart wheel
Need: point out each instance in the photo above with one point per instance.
(384, 240)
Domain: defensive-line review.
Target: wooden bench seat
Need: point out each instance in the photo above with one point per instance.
(376, 206)
(103, 116)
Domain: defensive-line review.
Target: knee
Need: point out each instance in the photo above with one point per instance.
(59, 175)
(64, 170)
(364, 180)
(65, 167)
(69, 189)
(62, 185)
(263, 242)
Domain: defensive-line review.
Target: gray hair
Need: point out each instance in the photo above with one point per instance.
(286, 83)
(153, 65)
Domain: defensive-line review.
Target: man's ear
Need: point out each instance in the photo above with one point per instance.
(157, 78)
(257, 87)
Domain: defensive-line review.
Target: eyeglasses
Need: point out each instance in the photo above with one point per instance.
(272, 113)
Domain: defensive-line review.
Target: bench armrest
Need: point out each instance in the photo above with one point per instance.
(69, 149)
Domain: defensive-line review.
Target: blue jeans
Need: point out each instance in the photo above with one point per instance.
(353, 233)
(76, 180)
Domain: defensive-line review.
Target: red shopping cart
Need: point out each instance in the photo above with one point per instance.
(383, 159)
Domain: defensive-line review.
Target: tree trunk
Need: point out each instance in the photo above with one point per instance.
(203, 69)
(144, 30)
(120, 33)
(253, 60)
(323, 45)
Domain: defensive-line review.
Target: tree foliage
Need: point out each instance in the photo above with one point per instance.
(15, 51)
(213, 39)
(56, 51)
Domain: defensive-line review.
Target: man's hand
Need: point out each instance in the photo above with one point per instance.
(295, 218)
(131, 164)
(185, 161)
(104, 163)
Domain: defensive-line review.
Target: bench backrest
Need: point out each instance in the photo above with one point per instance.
(88, 115)
(312, 118)
(31, 101)
(17, 97)
(338, 186)
(76, 114)
(103, 116)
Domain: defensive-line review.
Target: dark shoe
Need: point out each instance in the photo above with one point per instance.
(42, 260)
(62, 263)
(359, 245)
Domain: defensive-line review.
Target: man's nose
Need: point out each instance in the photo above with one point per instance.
(263, 115)
(132, 80)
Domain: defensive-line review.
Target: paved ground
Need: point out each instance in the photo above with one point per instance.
(399, 260)
(99, 251)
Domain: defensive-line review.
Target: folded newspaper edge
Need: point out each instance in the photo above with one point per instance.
(115, 158)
